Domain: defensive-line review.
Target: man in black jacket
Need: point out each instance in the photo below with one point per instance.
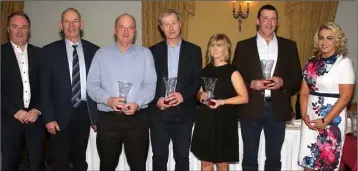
(174, 57)
(20, 103)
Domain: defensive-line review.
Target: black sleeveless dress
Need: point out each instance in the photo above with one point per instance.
(215, 136)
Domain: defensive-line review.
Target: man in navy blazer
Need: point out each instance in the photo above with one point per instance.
(174, 57)
(67, 109)
(20, 103)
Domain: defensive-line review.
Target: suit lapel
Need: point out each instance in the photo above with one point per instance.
(64, 62)
(86, 57)
(31, 61)
(279, 56)
(181, 65)
(256, 55)
(165, 57)
(14, 63)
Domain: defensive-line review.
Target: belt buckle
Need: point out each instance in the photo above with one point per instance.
(267, 99)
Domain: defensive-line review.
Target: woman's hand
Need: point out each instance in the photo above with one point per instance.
(318, 124)
(203, 97)
(307, 121)
(213, 104)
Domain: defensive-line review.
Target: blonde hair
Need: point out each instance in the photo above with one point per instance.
(216, 39)
(341, 40)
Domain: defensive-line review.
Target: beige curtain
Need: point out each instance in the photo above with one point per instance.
(304, 19)
(151, 33)
(8, 7)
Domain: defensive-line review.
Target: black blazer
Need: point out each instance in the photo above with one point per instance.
(56, 83)
(11, 82)
(288, 67)
(188, 81)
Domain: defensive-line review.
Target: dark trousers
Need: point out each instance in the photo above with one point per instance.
(180, 133)
(116, 129)
(274, 136)
(70, 143)
(13, 132)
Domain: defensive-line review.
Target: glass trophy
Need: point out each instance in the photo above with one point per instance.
(170, 85)
(209, 85)
(266, 66)
(124, 88)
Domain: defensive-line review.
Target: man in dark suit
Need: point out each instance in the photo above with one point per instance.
(269, 104)
(174, 57)
(20, 103)
(68, 110)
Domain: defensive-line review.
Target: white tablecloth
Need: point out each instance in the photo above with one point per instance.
(289, 153)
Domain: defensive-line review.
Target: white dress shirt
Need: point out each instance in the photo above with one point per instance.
(81, 60)
(23, 61)
(267, 51)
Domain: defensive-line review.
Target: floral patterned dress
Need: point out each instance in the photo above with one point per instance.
(321, 150)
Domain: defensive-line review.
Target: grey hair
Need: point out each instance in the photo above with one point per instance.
(168, 12)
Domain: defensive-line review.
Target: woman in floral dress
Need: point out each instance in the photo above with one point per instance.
(326, 90)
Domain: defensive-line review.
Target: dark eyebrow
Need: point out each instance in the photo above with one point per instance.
(71, 20)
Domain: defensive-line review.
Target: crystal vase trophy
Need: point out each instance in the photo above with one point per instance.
(209, 85)
(170, 85)
(124, 88)
(266, 66)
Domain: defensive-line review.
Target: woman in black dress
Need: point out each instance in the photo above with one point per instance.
(215, 138)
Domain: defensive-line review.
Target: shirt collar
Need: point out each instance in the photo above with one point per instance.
(130, 48)
(69, 43)
(260, 38)
(177, 45)
(15, 46)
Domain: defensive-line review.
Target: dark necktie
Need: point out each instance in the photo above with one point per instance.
(76, 80)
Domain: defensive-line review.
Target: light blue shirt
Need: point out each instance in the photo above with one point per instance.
(173, 59)
(110, 65)
(81, 60)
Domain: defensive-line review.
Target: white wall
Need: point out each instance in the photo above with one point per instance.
(346, 17)
(98, 17)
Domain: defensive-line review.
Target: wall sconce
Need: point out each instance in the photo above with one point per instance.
(240, 15)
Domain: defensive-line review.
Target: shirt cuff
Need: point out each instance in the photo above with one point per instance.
(140, 104)
(38, 112)
(104, 99)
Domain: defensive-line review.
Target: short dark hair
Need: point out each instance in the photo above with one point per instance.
(266, 7)
(18, 13)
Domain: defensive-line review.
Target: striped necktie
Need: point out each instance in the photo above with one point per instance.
(76, 80)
